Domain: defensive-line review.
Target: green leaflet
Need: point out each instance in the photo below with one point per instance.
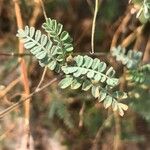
(59, 108)
(137, 73)
(131, 59)
(92, 74)
(122, 108)
(36, 46)
(86, 85)
(111, 100)
(64, 83)
(76, 84)
(51, 54)
(143, 10)
(85, 72)
(93, 69)
(120, 95)
(140, 75)
(108, 101)
(95, 91)
(62, 38)
(102, 95)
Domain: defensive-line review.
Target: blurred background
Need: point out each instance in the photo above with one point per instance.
(66, 119)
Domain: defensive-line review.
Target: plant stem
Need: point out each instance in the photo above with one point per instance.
(17, 104)
(23, 63)
(94, 24)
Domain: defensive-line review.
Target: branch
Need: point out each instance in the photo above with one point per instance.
(146, 57)
(22, 62)
(8, 88)
(42, 79)
(99, 133)
(121, 28)
(17, 104)
(43, 9)
(93, 25)
(117, 140)
(36, 12)
(130, 38)
(29, 54)
(14, 54)
(81, 117)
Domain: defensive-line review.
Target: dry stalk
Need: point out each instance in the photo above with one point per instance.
(36, 12)
(23, 69)
(8, 88)
(117, 137)
(94, 24)
(95, 145)
(121, 28)
(117, 140)
(17, 104)
(81, 115)
(130, 38)
(42, 79)
(146, 57)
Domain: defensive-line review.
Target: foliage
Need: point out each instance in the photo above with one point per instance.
(59, 108)
(137, 72)
(79, 108)
(109, 7)
(140, 75)
(144, 10)
(131, 58)
(91, 74)
(140, 101)
(93, 118)
(51, 50)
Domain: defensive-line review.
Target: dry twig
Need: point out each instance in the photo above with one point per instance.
(130, 38)
(99, 133)
(42, 79)
(23, 64)
(146, 57)
(81, 115)
(36, 12)
(121, 28)
(17, 104)
(8, 88)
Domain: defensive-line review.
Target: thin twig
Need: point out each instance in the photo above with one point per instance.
(117, 137)
(146, 56)
(17, 104)
(9, 87)
(89, 2)
(36, 12)
(130, 38)
(117, 140)
(79, 40)
(94, 24)
(43, 9)
(4, 135)
(99, 133)
(42, 78)
(81, 115)
(29, 54)
(45, 69)
(15, 54)
(139, 40)
(120, 29)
